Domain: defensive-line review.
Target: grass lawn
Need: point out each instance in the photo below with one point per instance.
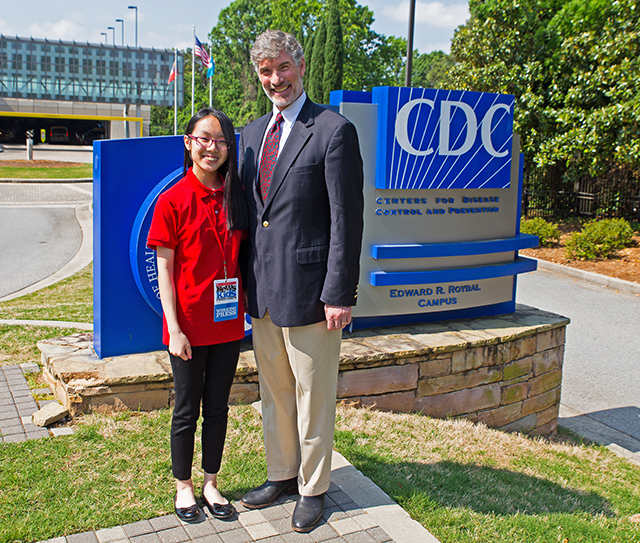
(114, 470)
(18, 343)
(463, 482)
(69, 300)
(467, 483)
(80, 171)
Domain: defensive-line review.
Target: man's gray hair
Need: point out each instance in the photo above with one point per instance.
(271, 43)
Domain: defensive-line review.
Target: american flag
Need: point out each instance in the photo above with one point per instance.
(201, 52)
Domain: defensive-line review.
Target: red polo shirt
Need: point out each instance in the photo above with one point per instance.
(183, 220)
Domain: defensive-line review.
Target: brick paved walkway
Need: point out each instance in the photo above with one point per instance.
(45, 194)
(17, 405)
(343, 521)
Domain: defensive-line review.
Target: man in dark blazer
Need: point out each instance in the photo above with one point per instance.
(302, 172)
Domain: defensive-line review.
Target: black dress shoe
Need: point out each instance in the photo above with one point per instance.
(220, 511)
(307, 513)
(186, 514)
(268, 492)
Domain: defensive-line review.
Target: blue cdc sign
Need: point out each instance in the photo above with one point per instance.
(442, 206)
(439, 139)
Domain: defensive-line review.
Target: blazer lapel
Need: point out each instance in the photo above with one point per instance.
(297, 139)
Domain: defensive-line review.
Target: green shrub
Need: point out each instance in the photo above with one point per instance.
(547, 233)
(599, 239)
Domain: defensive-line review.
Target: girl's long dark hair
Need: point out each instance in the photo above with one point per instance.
(234, 202)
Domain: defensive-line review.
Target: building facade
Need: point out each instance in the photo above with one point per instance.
(88, 89)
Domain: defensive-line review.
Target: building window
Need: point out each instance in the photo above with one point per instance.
(86, 66)
(46, 64)
(17, 62)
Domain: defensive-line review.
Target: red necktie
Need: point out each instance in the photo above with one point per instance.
(270, 156)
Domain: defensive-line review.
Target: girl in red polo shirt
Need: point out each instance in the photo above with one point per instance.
(196, 230)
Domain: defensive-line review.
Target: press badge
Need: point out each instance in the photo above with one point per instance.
(225, 303)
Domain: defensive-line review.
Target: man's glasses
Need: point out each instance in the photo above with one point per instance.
(207, 143)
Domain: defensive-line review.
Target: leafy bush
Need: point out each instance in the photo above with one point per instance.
(547, 233)
(599, 239)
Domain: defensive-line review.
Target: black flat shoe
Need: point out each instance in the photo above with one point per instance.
(268, 492)
(307, 513)
(186, 514)
(220, 511)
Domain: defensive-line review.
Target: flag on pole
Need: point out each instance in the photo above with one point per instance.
(172, 73)
(201, 52)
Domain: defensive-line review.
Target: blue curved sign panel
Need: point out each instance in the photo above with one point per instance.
(141, 258)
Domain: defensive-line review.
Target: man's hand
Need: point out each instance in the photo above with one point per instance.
(337, 316)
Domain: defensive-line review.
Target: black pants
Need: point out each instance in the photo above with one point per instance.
(206, 378)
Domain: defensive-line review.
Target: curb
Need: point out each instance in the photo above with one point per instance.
(616, 441)
(591, 277)
(74, 180)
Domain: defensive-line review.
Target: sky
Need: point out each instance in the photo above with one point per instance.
(165, 24)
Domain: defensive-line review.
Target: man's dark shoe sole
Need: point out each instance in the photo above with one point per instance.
(307, 513)
(268, 492)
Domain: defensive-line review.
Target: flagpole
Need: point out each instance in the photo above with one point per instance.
(175, 97)
(210, 78)
(193, 67)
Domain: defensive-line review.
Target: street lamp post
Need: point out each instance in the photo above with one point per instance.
(105, 37)
(412, 17)
(122, 22)
(136, 8)
(114, 34)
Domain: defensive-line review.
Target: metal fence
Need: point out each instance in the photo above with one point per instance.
(548, 194)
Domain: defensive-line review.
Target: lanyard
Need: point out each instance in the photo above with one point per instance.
(215, 233)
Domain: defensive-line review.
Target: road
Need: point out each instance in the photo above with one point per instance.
(39, 232)
(601, 376)
(62, 153)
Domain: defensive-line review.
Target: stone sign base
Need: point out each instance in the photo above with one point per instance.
(503, 371)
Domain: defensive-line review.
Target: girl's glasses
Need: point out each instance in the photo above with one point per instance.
(206, 143)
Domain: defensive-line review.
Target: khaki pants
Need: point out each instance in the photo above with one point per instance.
(298, 371)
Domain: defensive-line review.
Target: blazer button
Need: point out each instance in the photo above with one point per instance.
(265, 223)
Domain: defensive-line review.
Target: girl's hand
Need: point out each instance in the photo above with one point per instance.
(179, 345)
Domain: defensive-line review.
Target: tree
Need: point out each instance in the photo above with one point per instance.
(595, 98)
(574, 69)
(504, 48)
(333, 52)
(316, 66)
(430, 70)
(370, 59)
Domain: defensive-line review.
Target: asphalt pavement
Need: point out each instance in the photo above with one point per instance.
(40, 232)
(62, 153)
(601, 375)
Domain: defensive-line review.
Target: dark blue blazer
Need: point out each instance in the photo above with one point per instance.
(305, 239)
